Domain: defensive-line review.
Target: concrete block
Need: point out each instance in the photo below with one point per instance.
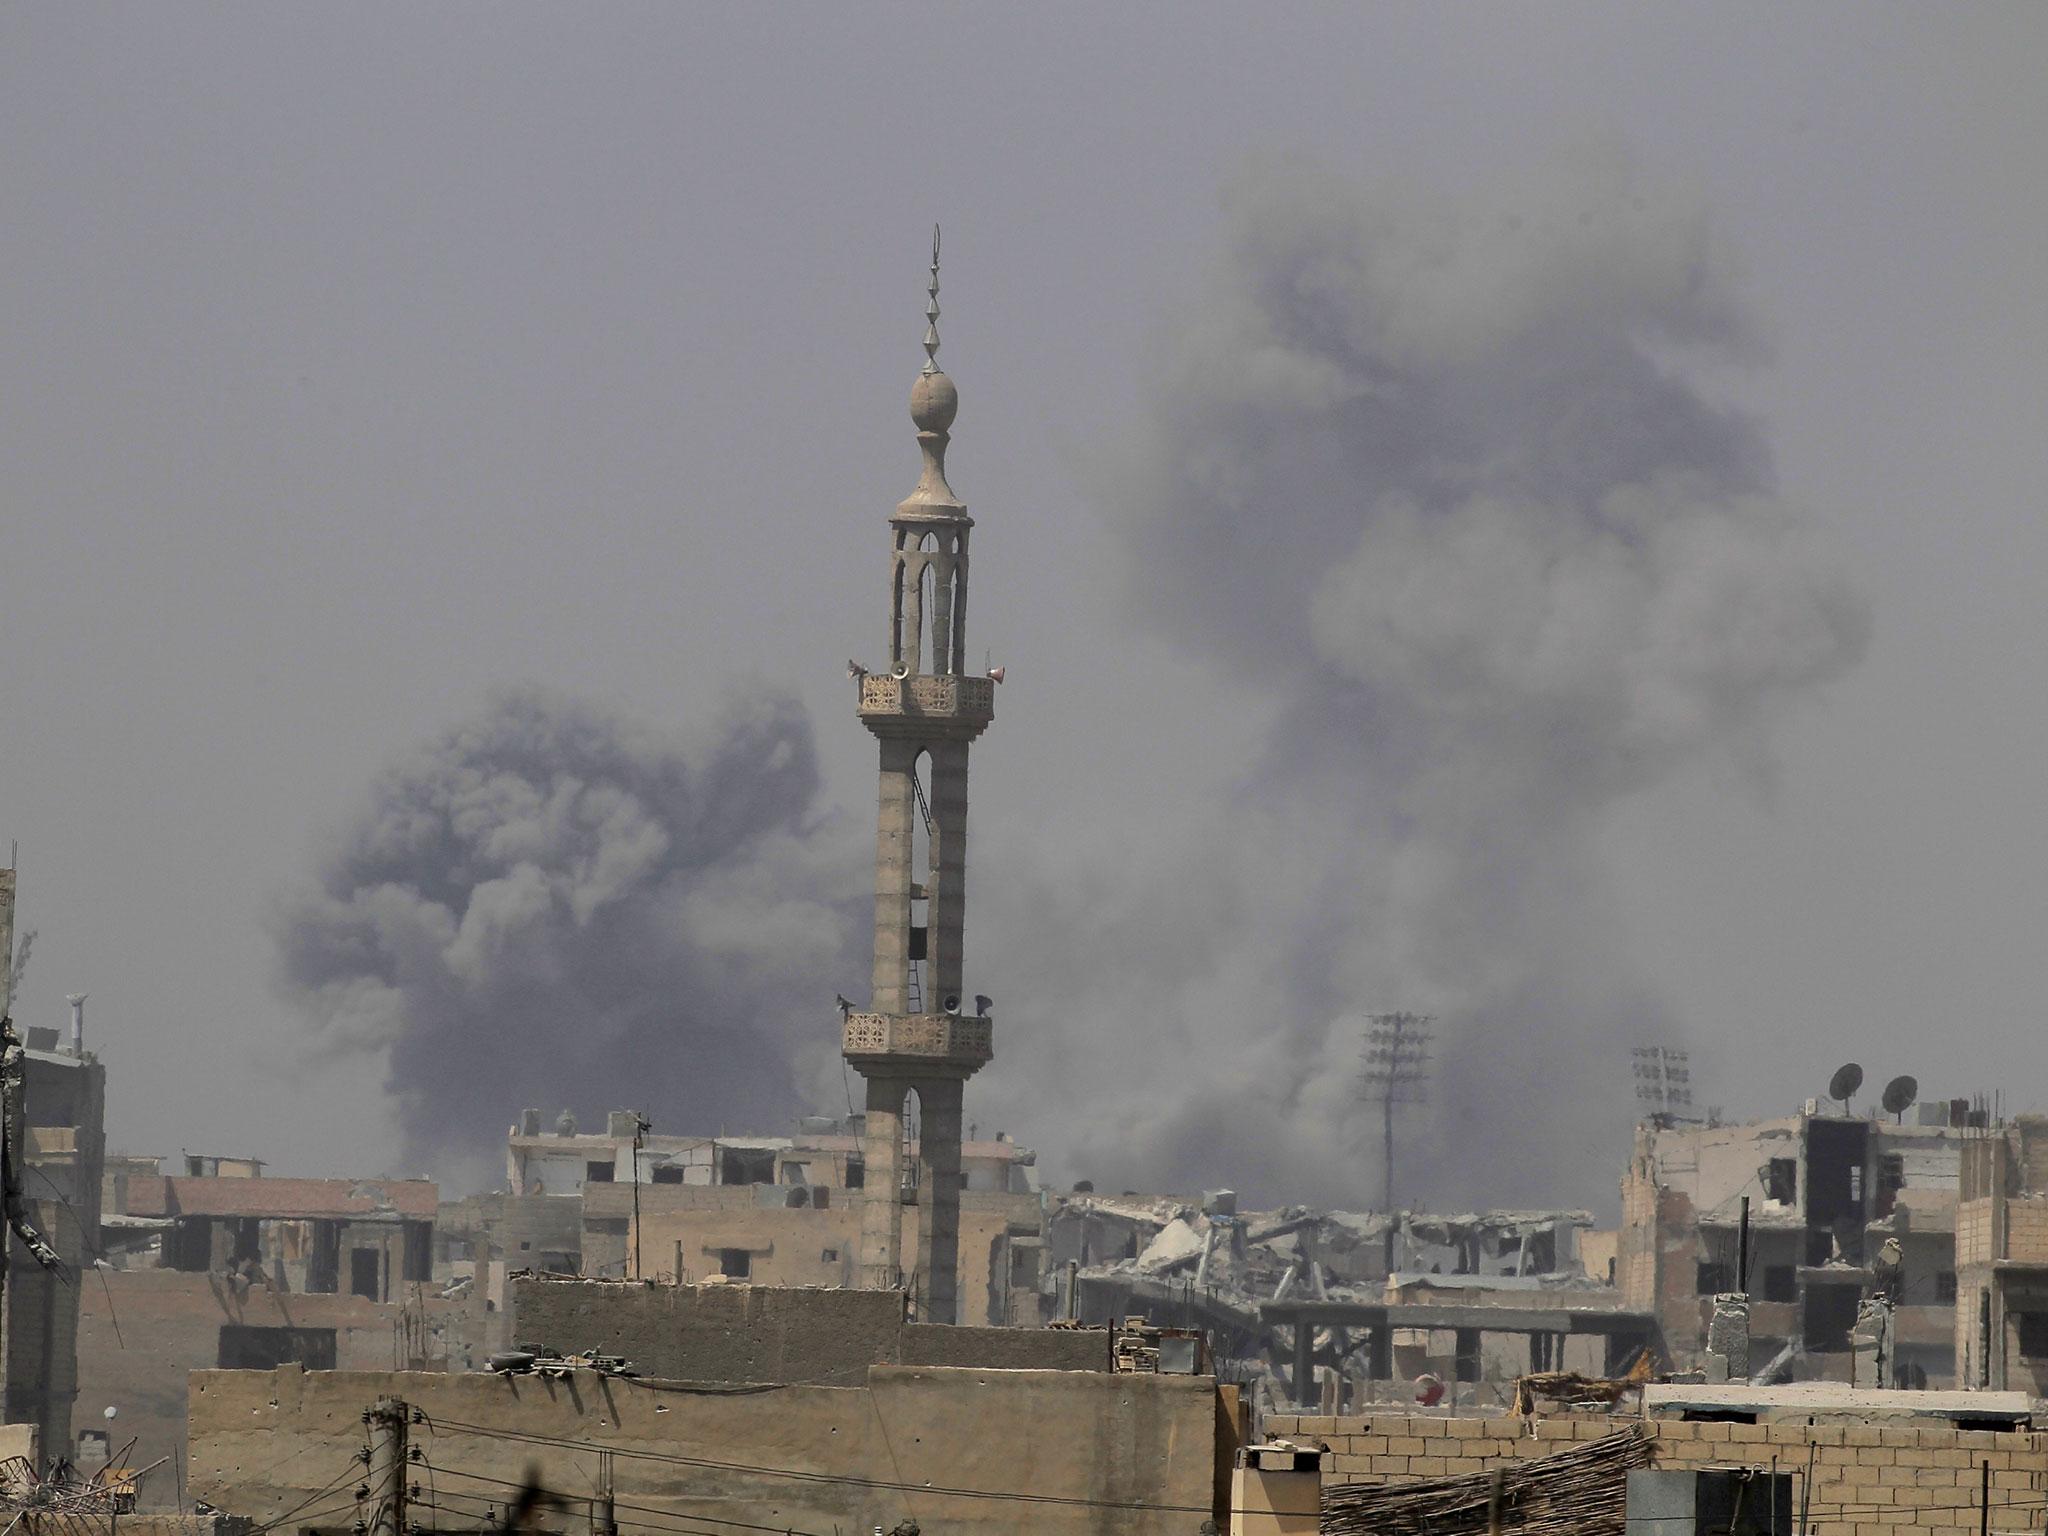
(1428, 1466)
(1898, 1437)
(1860, 1434)
(1747, 1434)
(1405, 1445)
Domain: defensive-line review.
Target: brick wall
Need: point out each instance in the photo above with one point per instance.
(1868, 1480)
(2026, 1231)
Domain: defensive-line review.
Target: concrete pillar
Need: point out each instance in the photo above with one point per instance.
(948, 906)
(881, 1210)
(893, 876)
(939, 1103)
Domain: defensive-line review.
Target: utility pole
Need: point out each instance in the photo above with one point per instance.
(603, 1511)
(384, 1489)
(641, 1126)
(1396, 1072)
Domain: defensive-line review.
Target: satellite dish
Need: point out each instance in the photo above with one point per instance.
(1899, 1095)
(1847, 1080)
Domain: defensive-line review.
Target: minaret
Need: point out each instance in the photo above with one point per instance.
(925, 712)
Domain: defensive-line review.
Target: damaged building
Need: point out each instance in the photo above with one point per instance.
(220, 1267)
(2001, 1258)
(769, 1210)
(1824, 1192)
(1355, 1306)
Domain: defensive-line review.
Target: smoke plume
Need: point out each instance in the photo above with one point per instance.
(548, 906)
(1440, 480)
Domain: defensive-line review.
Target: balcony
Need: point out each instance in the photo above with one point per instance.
(911, 1039)
(905, 705)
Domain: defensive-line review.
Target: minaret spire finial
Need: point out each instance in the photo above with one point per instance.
(931, 312)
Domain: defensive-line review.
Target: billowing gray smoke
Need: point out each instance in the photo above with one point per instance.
(1441, 481)
(548, 906)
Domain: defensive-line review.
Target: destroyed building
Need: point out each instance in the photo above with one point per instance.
(1305, 1304)
(1825, 1191)
(2001, 1258)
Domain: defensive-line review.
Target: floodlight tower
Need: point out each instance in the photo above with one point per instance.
(1663, 1081)
(1396, 1072)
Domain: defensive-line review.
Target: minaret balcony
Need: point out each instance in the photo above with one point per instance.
(961, 1040)
(891, 705)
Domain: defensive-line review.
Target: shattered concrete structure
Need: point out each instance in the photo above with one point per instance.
(915, 1046)
(1303, 1303)
(1825, 1193)
(2001, 1258)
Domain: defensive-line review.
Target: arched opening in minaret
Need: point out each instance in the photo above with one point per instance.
(921, 876)
(912, 1122)
(928, 607)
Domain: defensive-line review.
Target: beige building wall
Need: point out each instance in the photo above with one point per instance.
(804, 1246)
(967, 1452)
(141, 1333)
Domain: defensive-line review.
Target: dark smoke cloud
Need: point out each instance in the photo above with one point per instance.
(1441, 479)
(550, 906)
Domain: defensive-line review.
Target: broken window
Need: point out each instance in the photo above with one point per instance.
(365, 1269)
(821, 1197)
(599, 1173)
(1781, 1180)
(1715, 1278)
(1945, 1288)
(744, 1165)
(419, 1250)
(735, 1263)
(1891, 1178)
(2032, 1330)
(554, 1262)
(829, 1256)
(1541, 1258)
(856, 1173)
(1781, 1282)
(1835, 1154)
(323, 1266)
(190, 1246)
(668, 1173)
(1830, 1314)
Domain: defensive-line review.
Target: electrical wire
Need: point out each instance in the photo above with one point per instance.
(936, 1490)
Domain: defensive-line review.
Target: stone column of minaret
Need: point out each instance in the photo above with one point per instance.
(924, 711)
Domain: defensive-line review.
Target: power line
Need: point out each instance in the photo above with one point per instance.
(885, 1484)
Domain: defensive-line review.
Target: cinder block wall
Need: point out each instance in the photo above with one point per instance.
(1868, 1480)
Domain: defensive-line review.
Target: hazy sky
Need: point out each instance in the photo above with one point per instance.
(356, 361)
